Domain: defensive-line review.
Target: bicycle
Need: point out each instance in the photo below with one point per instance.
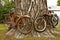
(50, 20)
(18, 22)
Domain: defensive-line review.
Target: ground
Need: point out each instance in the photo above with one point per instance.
(3, 35)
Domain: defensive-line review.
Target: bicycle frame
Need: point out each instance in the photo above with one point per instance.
(48, 19)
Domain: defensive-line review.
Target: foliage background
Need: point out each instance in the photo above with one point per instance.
(4, 9)
(58, 2)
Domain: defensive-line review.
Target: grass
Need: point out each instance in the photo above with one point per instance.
(4, 37)
(58, 26)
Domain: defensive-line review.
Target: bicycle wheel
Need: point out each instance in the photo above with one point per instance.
(24, 25)
(40, 24)
(55, 19)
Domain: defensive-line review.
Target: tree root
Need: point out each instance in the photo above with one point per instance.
(49, 33)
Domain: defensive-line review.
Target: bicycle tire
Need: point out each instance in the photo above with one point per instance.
(24, 25)
(38, 24)
(55, 19)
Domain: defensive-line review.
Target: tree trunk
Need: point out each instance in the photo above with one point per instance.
(24, 5)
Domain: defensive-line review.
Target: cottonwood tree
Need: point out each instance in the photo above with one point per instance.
(22, 7)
